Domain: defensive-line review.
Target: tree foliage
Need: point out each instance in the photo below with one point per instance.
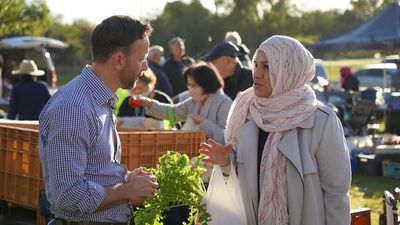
(17, 17)
(255, 20)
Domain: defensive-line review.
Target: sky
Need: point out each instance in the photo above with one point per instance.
(96, 10)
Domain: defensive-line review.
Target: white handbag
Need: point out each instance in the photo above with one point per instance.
(223, 199)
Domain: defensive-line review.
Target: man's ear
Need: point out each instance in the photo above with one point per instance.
(118, 60)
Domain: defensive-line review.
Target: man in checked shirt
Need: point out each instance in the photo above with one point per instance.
(79, 146)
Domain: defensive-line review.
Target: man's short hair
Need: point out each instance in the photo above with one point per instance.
(155, 49)
(234, 37)
(175, 40)
(117, 32)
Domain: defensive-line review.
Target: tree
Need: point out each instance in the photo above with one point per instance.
(186, 21)
(20, 18)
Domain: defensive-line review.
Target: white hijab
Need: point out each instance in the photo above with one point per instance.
(292, 101)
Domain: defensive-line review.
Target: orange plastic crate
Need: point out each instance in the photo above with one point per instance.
(2, 171)
(22, 190)
(21, 178)
(144, 148)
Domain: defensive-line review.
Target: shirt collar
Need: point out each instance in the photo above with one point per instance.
(100, 92)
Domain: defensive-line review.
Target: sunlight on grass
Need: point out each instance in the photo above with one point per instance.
(333, 66)
(366, 192)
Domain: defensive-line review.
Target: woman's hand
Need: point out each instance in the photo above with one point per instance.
(197, 119)
(145, 101)
(217, 153)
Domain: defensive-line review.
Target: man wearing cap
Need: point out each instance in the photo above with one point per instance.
(29, 96)
(237, 78)
(175, 65)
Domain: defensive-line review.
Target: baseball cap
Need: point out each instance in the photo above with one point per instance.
(221, 49)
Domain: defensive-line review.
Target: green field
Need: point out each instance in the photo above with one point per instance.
(333, 66)
(367, 191)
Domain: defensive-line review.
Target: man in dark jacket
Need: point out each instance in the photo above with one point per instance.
(236, 77)
(156, 52)
(29, 96)
(175, 65)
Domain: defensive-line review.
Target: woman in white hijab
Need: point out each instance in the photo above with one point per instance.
(288, 149)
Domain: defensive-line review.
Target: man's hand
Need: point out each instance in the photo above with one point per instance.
(141, 186)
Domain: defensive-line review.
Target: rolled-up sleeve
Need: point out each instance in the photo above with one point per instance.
(66, 148)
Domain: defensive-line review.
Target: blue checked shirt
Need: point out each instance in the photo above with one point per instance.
(80, 150)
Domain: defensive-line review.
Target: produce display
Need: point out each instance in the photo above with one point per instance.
(179, 184)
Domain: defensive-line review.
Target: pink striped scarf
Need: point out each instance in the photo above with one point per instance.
(292, 101)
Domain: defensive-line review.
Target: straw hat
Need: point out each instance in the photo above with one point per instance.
(28, 67)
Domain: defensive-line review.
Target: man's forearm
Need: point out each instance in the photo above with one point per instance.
(114, 195)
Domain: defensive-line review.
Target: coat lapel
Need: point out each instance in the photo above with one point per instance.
(289, 147)
(247, 154)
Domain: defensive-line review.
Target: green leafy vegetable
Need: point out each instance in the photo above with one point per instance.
(180, 184)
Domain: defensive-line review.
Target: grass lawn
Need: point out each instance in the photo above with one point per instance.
(367, 191)
(333, 66)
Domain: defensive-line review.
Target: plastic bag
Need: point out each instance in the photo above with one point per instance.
(224, 200)
(190, 125)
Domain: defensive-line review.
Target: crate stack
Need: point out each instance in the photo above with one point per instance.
(21, 178)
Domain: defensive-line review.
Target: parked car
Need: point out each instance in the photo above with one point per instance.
(14, 49)
(321, 80)
(373, 76)
(320, 69)
(391, 59)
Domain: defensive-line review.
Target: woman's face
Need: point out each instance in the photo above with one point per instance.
(195, 91)
(262, 84)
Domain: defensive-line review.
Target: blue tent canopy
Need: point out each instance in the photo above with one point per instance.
(380, 32)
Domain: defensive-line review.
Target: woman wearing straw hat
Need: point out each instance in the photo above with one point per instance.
(29, 96)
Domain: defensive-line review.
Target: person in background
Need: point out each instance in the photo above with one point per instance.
(29, 96)
(207, 106)
(288, 149)
(154, 59)
(236, 77)
(206, 109)
(243, 51)
(396, 78)
(348, 81)
(80, 151)
(176, 64)
(121, 95)
(145, 86)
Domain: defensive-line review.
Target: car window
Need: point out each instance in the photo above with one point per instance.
(320, 71)
(374, 77)
(36, 56)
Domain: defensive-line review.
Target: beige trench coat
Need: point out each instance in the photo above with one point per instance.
(318, 170)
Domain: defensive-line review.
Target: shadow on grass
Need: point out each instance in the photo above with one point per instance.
(372, 185)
